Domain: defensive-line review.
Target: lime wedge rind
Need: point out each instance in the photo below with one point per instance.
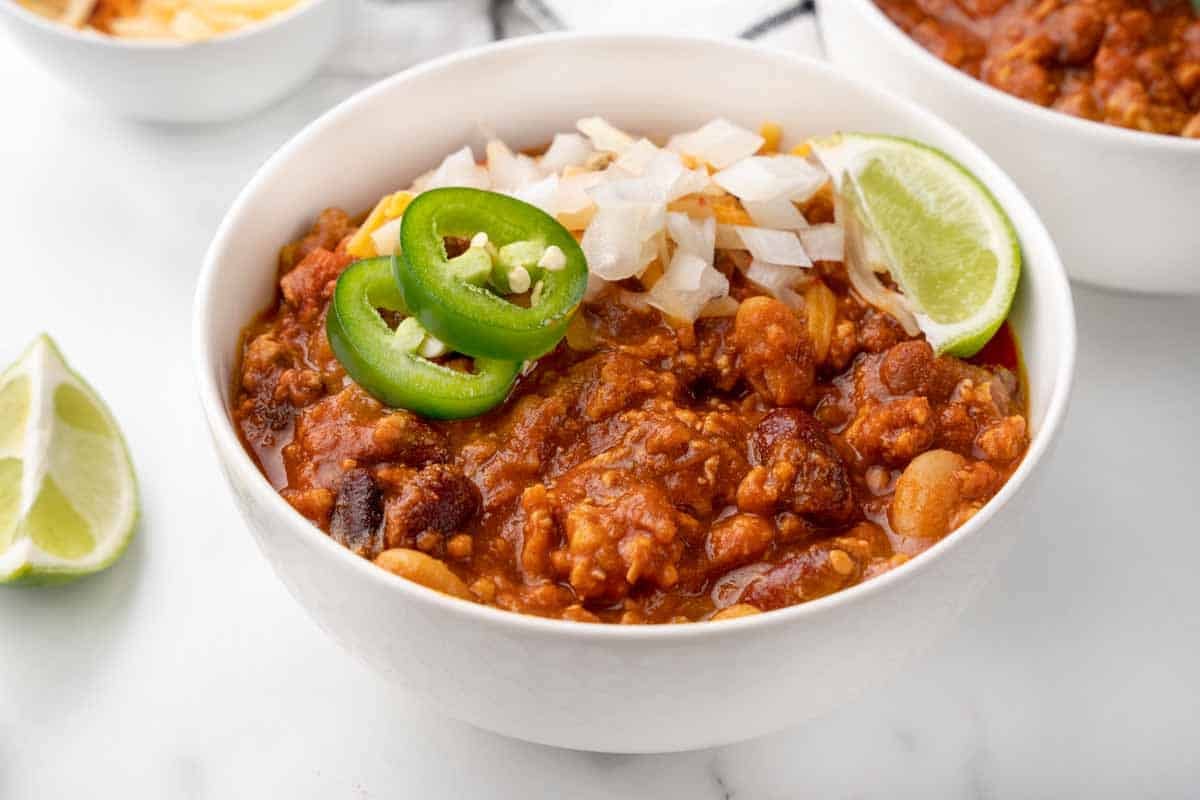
(95, 479)
(847, 154)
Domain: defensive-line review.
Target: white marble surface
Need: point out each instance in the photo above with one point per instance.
(187, 672)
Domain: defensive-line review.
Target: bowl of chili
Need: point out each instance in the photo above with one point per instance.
(615, 688)
(1093, 108)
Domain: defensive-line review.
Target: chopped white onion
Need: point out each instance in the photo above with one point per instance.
(458, 169)
(692, 181)
(749, 179)
(619, 242)
(779, 213)
(627, 190)
(861, 272)
(719, 143)
(637, 157)
(603, 135)
(665, 179)
(543, 194)
(566, 150)
(387, 237)
(779, 281)
(696, 237)
(510, 171)
(688, 284)
(825, 242)
(666, 170)
(767, 177)
(720, 307)
(803, 178)
(573, 205)
(774, 247)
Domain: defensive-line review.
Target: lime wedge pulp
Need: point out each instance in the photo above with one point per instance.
(948, 244)
(68, 496)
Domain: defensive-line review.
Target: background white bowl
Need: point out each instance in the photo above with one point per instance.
(206, 81)
(1121, 204)
(620, 689)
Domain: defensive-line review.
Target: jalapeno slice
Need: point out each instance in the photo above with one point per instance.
(386, 363)
(532, 252)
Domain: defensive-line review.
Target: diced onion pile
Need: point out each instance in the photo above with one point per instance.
(659, 214)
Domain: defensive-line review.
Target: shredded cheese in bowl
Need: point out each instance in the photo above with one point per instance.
(179, 20)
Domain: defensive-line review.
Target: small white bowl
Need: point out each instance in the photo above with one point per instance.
(1121, 204)
(598, 687)
(207, 81)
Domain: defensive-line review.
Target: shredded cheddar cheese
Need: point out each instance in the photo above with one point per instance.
(183, 20)
(389, 207)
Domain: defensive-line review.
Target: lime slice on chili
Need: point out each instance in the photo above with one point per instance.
(388, 363)
(948, 243)
(68, 495)
(468, 315)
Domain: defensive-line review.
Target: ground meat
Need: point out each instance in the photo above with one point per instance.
(892, 433)
(773, 351)
(352, 427)
(602, 531)
(698, 458)
(331, 227)
(797, 469)
(878, 331)
(819, 570)
(262, 361)
(1003, 440)
(357, 513)
(622, 382)
(311, 283)
(438, 498)
(710, 362)
(299, 387)
(314, 504)
(737, 540)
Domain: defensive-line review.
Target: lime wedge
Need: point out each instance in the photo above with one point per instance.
(945, 239)
(68, 496)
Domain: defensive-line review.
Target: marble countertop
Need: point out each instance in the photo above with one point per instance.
(186, 671)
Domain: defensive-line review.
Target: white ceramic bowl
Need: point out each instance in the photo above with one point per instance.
(1121, 204)
(208, 81)
(595, 687)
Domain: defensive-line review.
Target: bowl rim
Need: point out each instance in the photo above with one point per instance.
(1115, 134)
(243, 474)
(25, 16)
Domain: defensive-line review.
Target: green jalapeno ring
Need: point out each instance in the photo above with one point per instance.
(371, 356)
(471, 318)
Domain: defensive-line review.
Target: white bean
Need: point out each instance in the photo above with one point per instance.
(927, 494)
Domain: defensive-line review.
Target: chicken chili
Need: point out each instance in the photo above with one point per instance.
(1132, 63)
(704, 443)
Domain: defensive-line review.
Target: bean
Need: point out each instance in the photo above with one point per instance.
(735, 611)
(423, 569)
(357, 513)
(927, 494)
